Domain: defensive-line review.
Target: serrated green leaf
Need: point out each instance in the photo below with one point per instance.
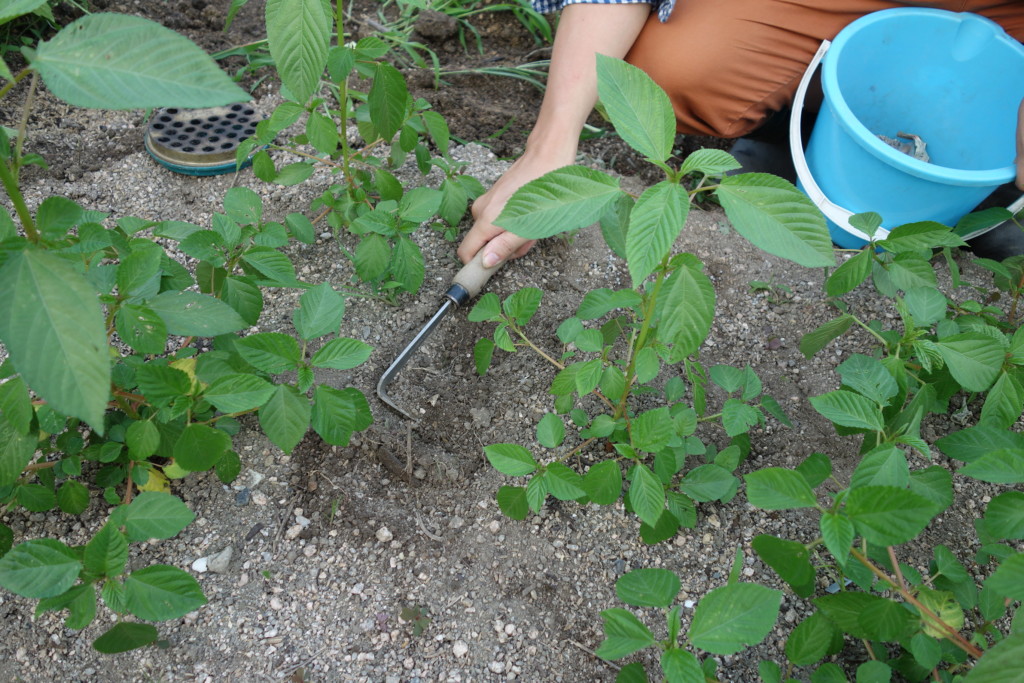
(337, 413)
(624, 635)
(275, 267)
(320, 312)
(200, 447)
(487, 308)
(648, 587)
(161, 384)
(638, 108)
(1004, 516)
(387, 100)
(738, 417)
(407, 265)
(242, 294)
(926, 304)
(36, 497)
(646, 494)
(298, 33)
(40, 568)
(271, 352)
(483, 352)
(815, 341)
(886, 515)
(107, 552)
(563, 483)
(52, 327)
(523, 304)
(838, 533)
(16, 451)
(1004, 402)
(973, 359)
(1001, 663)
(686, 308)
(550, 431)
(713, 162)
(512, 502)
(815, 468)
(775, 216)
(849, 274)
(236, 393)
(510, 459)
(777, 488)
(341, 354)
(599, 302)
(809, 642)
(561, 200)
(1000, 466)
(848, 409)
(868, 377)
(154, 514)
(285, 417)
(160, 592)
(142, 438)
(885, 465)
(603, 482)
(125, 636)
(73, 497)
(652, 430)
(196, 315)
(654, 224)
(141, 328)
(974, 442)
(15, 406)
(790, 560)
(118, 61)
(733, 617)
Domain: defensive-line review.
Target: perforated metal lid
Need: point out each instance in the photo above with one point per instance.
(200, 141)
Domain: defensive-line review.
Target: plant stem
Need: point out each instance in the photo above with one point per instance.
(23, 124)
(952, 634)
(641, 338)
(554, 362)
(17, 79)
(9, 179)
(873, 333)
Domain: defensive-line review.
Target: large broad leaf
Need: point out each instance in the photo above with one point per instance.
(153, 514)
(41, 568)
(624, 634)
(16, 451)
(16, 8)
(196, 315)
(777, 217)
(732, 617)
(299, 34)
(686, 307)
(320, 312)
(116, 61)
(648, 588)
(52, 326)
(777, 488)
(124, 636)
(388, 100)
(887, 515)
(565, 199)
(848, 409)
(160, 592)
(339, 412)
(640, 111)
(1001, 664)
(974, 359)
(285, 417)
(791, 560)
(656, 221)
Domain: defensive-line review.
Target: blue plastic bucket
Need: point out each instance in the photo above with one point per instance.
(954, 79)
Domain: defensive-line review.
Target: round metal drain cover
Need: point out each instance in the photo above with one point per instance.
(200, 141)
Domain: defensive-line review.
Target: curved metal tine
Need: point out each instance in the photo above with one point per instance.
(406, 354)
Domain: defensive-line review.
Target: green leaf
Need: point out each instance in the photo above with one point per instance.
(599, 302)
(510, 459)
(680, 666)
(15, 406)
(242, 294)
(522, 305)
(52, 327)
(483, 352)
(6, 539)
(648, 587)
(887, 620)
(73, 497)
(107, 552)
(154, 514)
(646, 494)
(117, 61)
(200, 447)
(640, 111)
(561, 200)
(777, 488)
(236, 393)
(810, 641)
(973, 359)
(926, 304)
(275, 267)
(708, 482)
(299, 33)
(886, 515)
(125, 636)
(975, 442)
(320, 312)
(512, 502)
(686, 308)
(908, 271)
(652, 430)
(868, 377)
(790, 560)
(738, 417)
(487, 308)
(196, 315)
(632, 673)
(654, 224)
(1008, 579)
(228, 467)
(341, 354)
(624, 635)
(36, 497)
(160, 592)
(1002, 466)
(161, 384)
(1004, 402)
(550, 431)
(713, 162)
(1004, 516)
(776, 217)
(141, 328)
(874, 671)
(563, 483)
(387, 100)
(142, 438)
(603, 482)
(815, 341)
(815, 468)
(733, 617)
(848, 409)
(407, 266)
(271, 352)
(16, 451)
(1001, 663)
(885, 465)
(339, 412)
(285, 417)
(300, 227)
(17, 8)
(849, 274)
(838, 533)
(40, 568)
(80, 602)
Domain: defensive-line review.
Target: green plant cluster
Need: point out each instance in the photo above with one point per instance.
(614, 384)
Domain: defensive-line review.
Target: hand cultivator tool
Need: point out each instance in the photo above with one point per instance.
(466, 284)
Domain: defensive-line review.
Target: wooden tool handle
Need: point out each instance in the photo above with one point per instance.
(474, 275)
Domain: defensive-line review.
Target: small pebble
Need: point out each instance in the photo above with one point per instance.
(275, 603)
(200, 566)
(384, 535)
(243, 496)
(260, 498)
(494, 527)
(293, 532)
(460, 648)
(219, 563)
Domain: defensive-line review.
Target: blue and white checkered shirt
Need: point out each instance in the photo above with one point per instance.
(662, 7)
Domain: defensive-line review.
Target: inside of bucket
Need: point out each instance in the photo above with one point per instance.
(948, 81)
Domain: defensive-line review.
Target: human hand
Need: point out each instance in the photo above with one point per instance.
(499, 244)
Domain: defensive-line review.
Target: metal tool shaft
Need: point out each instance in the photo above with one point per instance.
(407, 353)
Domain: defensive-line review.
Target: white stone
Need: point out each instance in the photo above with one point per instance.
(201, 565)
(384, 535)
(460, 648)
(219, 563)
(293, 532)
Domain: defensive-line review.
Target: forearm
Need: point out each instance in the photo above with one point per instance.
(583, 31)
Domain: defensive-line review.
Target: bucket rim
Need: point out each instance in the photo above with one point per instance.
(845, 117)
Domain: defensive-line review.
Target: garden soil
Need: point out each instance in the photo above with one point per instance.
(389, 560)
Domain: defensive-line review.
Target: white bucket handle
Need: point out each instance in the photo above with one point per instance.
(832, 211)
